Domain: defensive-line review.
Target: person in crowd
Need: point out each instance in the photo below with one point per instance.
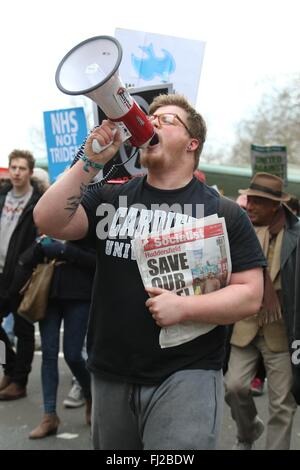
(69, 301)
(140, 391)
(242, 201)
(39, 179)
(295, 346)
(270, 332)
(294, 205)
(17, 233)
(258, 382)
(8, 326)
(200, 175)
(75, 397)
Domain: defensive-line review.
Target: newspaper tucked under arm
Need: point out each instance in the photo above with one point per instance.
(192, 259)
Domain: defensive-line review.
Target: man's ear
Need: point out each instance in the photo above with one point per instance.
(193, 145)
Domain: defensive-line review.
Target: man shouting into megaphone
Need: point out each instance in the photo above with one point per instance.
(145, 396)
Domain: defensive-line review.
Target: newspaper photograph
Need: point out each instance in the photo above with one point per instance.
(190, 260)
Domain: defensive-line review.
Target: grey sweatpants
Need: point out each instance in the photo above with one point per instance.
(182, 413)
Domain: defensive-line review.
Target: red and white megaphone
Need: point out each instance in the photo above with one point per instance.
(91, 69)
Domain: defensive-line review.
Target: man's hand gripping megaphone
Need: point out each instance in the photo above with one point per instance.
(103, 142)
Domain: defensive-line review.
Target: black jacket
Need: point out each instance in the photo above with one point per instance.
(289, 282)
(22, 237)
(290, 288)
(73, 279)
(73, 275)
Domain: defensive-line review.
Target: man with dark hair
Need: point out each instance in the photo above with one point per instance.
(17, 232)
(270, 332)
(146, 397)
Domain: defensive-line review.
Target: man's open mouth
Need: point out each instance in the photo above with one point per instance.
(154, 140)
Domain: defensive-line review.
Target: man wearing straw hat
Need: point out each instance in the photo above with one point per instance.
(271, 331)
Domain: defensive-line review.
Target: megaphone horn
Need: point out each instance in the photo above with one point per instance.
(91, 69)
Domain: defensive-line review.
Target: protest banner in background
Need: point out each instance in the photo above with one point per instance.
(270, 159)
(152, 59)
(65, 130)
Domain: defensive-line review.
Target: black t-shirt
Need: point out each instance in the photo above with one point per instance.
(123, 339)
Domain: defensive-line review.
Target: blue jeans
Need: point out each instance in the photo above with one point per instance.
(74, 313)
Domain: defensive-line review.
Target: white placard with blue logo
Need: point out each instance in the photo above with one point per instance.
(65, 130)
(151, 59)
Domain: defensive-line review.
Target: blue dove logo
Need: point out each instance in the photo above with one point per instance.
(147, 68)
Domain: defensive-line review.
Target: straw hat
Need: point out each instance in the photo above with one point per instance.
(268, 186)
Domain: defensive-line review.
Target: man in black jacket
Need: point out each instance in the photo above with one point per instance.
(17, 232)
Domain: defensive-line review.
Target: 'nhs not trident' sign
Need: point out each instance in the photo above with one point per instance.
(65, 130)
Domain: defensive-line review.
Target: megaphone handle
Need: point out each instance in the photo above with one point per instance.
(97, 148)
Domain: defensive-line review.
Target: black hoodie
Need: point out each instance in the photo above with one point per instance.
(22, 237)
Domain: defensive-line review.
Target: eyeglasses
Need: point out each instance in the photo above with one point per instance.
(168, 119)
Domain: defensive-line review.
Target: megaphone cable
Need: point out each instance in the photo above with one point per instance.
(110, 173)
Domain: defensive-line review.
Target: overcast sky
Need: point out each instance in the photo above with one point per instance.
(247, 41)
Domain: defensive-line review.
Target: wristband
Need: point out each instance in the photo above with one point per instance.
(88, 163)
